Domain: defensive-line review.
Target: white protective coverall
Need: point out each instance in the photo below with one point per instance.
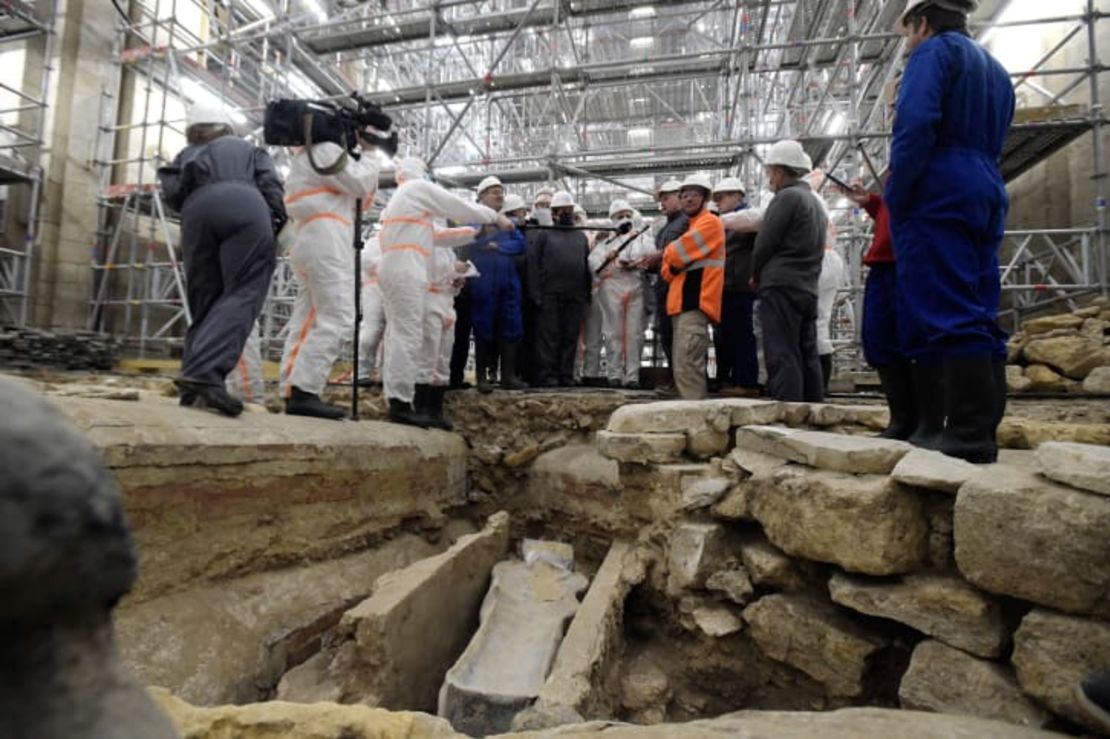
(373, 314)
(245, 382)
(621, 297)
(831, 280)
(323, 263)
(444, 283)
(408, 237)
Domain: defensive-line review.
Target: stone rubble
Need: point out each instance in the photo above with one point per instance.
(734, 584)
(642, 448)
(695, 550)
(704, 492)
(1083, 466)
(928, 469)
(1066, 353)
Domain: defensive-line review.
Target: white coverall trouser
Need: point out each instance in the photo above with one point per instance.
(621, 297)
(439, 314)
(323, 264)
(372, 330)
(245, 382)
(408, 236)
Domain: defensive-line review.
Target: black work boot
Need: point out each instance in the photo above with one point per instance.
(971, 399)
(421, 399)
(897, 382)
(208, 397)
(483, 366)
(1000, 389)
(404, 413)
(928, 396)
(435, 408)
(1093, 694)
(510, 350)
(301, 403)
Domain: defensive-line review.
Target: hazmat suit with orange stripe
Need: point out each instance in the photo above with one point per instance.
(245, 382)
(373, 313)
(408, 238)
(322, 260)
(620, 295)
(444, 283)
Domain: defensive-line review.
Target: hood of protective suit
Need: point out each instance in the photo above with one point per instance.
(410, 168)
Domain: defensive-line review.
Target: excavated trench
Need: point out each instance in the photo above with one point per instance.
(305, 561)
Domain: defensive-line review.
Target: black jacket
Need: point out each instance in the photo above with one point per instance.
(557, 263)
(738, 260)
(791, 241)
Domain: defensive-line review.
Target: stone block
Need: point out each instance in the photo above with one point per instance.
(867, 524)
(815, 637)
(1016, 381)
(754, 464)
(643, 448)
(695, 550)
(645, 691)
(734, 584)
(399, 642)
(704, 492)
(767, 566)
(768, 440)
(655, 493)
(923, 468)
(796, 414)
(831, 414)
(1083, 466)
(1053, 652)
(1073, 356)
(1017, 534)
(946, 680)
(1028, 433)
(716, 620)
(1044, 379)
(1098, 382)
(1094, 328)
(557, 553)
(736, 505)
(750, 411)
(705, 442)
(669, 416)
(941, 606)
(1051, 323)
(859, 455)
(523, 618)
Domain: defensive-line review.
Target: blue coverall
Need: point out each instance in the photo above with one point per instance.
(947, 200)
(496, 294)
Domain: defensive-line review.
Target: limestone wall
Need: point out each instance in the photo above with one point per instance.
(857, 561)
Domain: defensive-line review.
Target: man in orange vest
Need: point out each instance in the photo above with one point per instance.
(694, 268)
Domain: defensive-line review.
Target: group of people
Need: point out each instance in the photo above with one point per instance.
(544, 290)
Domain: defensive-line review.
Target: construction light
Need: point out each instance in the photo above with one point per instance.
(642, 42)
(644, 11)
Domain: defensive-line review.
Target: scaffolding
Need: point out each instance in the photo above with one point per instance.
(604, 97)
(26, 31)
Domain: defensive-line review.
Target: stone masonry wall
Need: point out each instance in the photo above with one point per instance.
(820, 546)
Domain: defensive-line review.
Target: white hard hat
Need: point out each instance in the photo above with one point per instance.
(959, 6)
(618, 205)
(545, 190)
(579, 210)
(562, 199)
(208, 114)
(730, 184)
(513, 202)
(671, 185)
(410, 168)
(697, 180)
(789, 153)
(487, 183)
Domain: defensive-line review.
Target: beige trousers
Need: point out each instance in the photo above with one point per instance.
(690, 353)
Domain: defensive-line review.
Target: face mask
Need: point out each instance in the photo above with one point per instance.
(624, 225)
(566, 219)
(542, 216)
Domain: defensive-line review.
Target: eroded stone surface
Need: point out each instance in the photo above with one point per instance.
(946, 680)
(716, 620)
(645, 691)
(1083, 466)
(928, 469)
(942, 606)
(1020, 535)
(644, 448)
(1045, 324)
(832, 414)
(706, 442)
(1016, 381)
(1043, 378)
(815, 637)
(1026, 433)
(768, 440)
(752, 411)
(704, 493)
(1074, 356)
(734, 584)
(1053, 652)
(867, 524)
(841, 453)
(668, 416)
(767, 566)
(1098, 381)
(695, 550)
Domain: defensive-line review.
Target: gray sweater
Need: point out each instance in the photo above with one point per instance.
(791, 241)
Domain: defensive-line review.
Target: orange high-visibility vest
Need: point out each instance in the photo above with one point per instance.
(694, 265)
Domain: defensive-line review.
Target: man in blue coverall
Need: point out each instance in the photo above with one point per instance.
(948, 206)
(496, 297)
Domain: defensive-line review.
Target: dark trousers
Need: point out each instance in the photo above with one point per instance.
(826, 370)
(662, 320)
(789, 322)
(227, 241)
(560, 318)
(734, 340)
(461, 350)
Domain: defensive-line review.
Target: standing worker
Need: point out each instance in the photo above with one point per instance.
(948, 207)
(373, 314)
(495, 299)
(322, 258)
(786, 265)
(408, 236)
(694, 267)
(737, 353)
(674, 225)
(591, 337)
(230, 199)
(621, 295)
(560, 278)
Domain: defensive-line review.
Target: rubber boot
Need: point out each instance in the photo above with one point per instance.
(1000, 388)
(928, 394)
(510, 350)
(301, 403)
(897, 382)
(208, 397)
(483, 361)
(421, 400)
(971, 399)
(404, 413)
(435, 407)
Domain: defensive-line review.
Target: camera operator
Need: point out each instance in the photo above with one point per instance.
(322, 205)
(230, 199)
